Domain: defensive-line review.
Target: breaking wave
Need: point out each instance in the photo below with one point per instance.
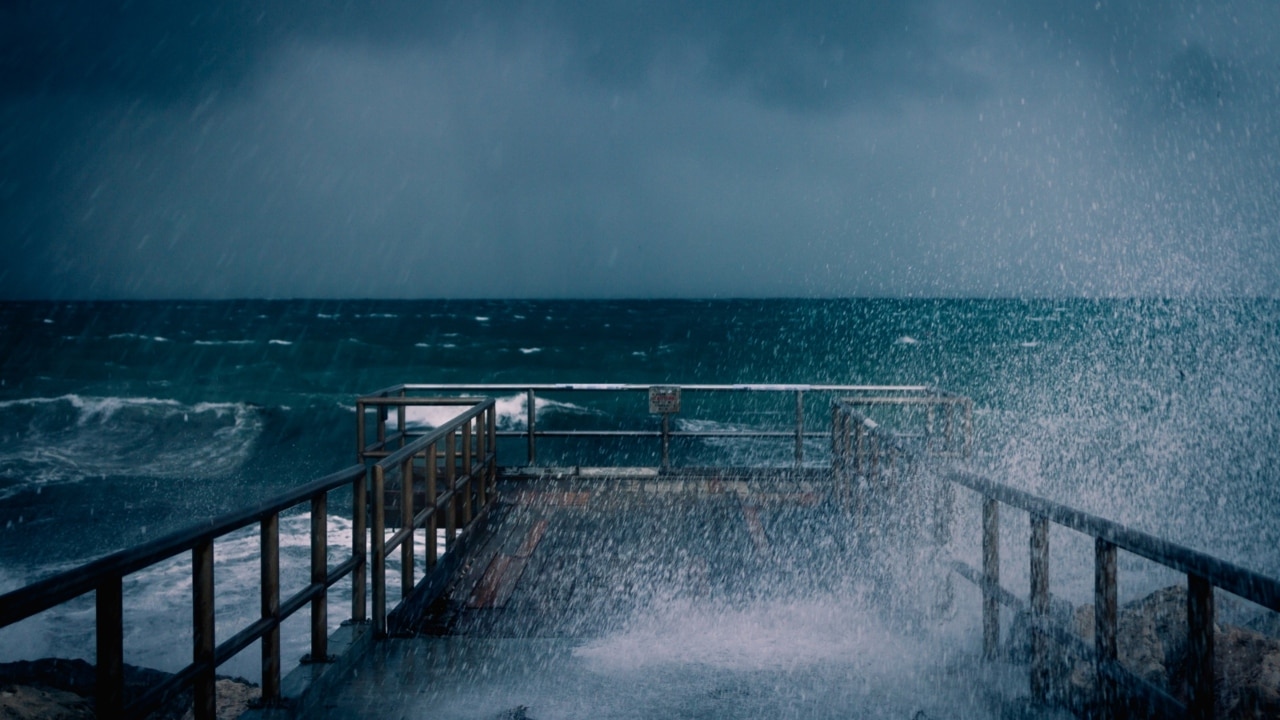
(65, 439)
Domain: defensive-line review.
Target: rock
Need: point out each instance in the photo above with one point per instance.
(36, 702)
(1246, 673)
(1152, 643)
(234, 698)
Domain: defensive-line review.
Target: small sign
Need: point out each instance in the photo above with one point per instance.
(664, 400)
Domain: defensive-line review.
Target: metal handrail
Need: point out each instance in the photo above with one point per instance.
(1204, 573)
(105, 575)
(398, 396)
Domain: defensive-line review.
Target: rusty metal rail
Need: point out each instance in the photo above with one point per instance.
(469, 470)
(858, 448)
(955, 410)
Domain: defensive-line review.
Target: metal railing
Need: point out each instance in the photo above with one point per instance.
(860, 449)
(469, 472)
(953, 412)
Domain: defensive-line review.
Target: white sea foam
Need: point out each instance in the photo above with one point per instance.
(72, 437)
(482, 318)
(513, 412)
(907, 340)
(279, 342)
(530, 350)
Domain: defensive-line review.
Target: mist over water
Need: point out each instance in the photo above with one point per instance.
(121, 421)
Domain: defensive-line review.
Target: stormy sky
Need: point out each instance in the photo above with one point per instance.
(623, 148)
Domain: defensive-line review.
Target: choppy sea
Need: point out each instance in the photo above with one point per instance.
(120, 421)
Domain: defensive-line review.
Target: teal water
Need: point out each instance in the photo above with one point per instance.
(121, 421)
(164, 407)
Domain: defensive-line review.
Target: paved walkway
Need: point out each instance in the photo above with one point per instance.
(701, 597)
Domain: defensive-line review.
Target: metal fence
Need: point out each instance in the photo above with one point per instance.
(864, 449)
(464, 445)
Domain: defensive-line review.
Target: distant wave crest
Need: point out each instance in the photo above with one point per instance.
(72, 437)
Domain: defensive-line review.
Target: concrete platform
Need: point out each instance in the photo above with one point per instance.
(703, 596)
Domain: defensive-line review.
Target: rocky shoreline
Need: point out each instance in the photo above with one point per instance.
(1152, 643)
(57, 689)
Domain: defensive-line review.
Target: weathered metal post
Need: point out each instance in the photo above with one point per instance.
(359, 431)
(451, 487)
(531, 421)
(379, 533)
(666, 440)
(109, 624)
(1200, 612)
(203, 645)
(1105, 622)
(468, 481)
(1039, 608)
(359, 547)
(433, 516)
(799, 428)
(493, 444)
(406, 521)
(990, 578)
(482, 436)
(269, 534)
(320, 576)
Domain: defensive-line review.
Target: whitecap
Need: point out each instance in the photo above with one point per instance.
(906, 340)
(280, 342)
(530, 350)
(482, 318)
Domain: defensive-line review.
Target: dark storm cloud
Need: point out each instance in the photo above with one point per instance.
(638, 148)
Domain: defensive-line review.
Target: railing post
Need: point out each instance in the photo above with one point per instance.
(1200, 619)
(269, 533)
(859, 461)
(319, 575)
(359, 431)
(990, 578)
(666, 440)
(433, 516)
(406, 521)
(451, 487)
(493, 443)
(359, 547)
(482, 436)
(1039, 608)
(204, 683)
(1105, 622)
(379, 533)
(799, 428)
(466, 472)
(401, 420)
(531, 420)
(382, 427)
(109, 623)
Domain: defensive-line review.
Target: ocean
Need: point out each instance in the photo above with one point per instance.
(120, 421)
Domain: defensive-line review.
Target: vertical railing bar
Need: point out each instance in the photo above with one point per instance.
(799, 428)
(204, 683)
(450, 478)
(990, 578)
(382, 427)
(482, 435)
(1200, 619)
(531, 421)
(379, 537)
(406, 521)
(666, 440)
(467, 482)
(359, 547)
(493, 443)
(269, 534)
(1039, 608)
(1105, 622)
(109, 624)
(433, 516)
(360, 430)
(320, 575)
